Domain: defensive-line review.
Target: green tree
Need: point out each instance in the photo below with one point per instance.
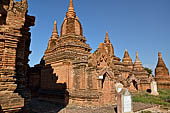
(148, 70)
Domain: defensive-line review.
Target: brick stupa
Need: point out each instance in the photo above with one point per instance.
(162, 73)
(71, 73)
(127, 59)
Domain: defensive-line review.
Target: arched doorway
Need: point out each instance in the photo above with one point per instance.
(135, 84)
(106, 87)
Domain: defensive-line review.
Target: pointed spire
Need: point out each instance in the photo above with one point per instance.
(161, 70)
(54, 37)
(159, 55)
(55, 28)
(55, 32)
(160, 60)
(126, 55)
(71, 8)
(71, 13)
(127, 59)
(137, 57)
(107, 38)
(138, 64)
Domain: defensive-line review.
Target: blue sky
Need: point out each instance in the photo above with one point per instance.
(138, 25)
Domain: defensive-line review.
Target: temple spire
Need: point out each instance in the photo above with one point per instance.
(159, 55)
(55, 28)
(126, 50)
(71, 13)
(107, 38)
(137, 57)
(55, 32)
(126, 55)
(53, 38)
(71, 8)
(138, 64)
(160, 60)
(127, 59)
(161, 70)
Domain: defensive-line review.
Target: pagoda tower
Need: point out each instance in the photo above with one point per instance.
(127, 59)
(162, 73)
(53, 39)
(66, 56)
(70, 71)
(71, 43)
(138, 64)
(161, 69)
(107, 46)
(141, 74)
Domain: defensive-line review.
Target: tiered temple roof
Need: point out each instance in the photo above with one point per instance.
(127, 59)
(137, 64)
(161, 69)
(71, 24)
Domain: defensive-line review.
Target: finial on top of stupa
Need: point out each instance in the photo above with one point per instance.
(71, 8)
(55, 28)
(126, 55)
(55, 32)
(138, 63)
(161, 63)
(71, 13)
(107, 38)
(159, 55)
(137, 57)
(161, 69)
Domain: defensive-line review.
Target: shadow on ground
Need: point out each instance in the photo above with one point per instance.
(42, 106)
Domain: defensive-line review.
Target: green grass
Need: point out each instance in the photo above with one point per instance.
(146, 112)
(162, 99)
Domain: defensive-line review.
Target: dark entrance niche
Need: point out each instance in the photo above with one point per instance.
(104, 77)
(148, 90)
(135, 84)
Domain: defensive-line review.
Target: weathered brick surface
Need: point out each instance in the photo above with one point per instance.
(68, 65)
(14, 51)
(68, 72)
(162, 74)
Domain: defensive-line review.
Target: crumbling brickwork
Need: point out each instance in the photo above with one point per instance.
(68, 68)
(14, 52)
(162, 74)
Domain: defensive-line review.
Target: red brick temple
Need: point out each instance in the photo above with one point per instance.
(69, 72)
(83, 77)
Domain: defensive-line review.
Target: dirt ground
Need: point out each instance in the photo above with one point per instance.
(40, 106)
